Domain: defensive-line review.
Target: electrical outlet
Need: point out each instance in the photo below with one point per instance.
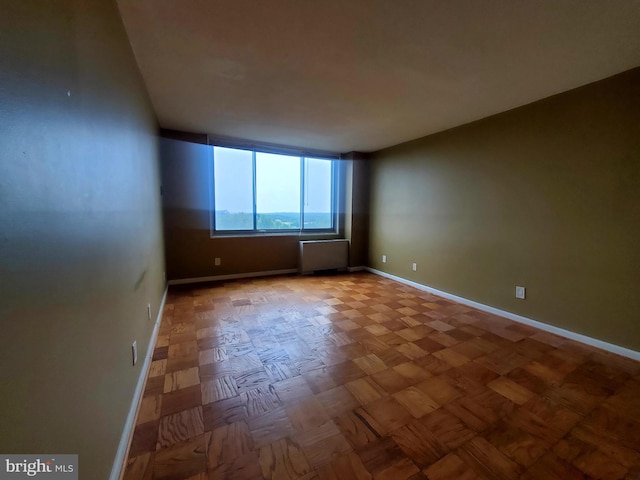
(134, 352)
(384, 259)
(520, 292)
(414, 267)
(217, 262)
(149, 311)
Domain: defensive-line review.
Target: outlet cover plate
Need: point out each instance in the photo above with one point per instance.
(134, 352)
(520, 293)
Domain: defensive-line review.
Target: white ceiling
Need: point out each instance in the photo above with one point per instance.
(343, 75)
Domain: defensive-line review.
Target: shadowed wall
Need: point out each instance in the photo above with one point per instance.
(81, 243)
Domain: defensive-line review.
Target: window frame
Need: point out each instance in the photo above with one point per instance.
(302, 231)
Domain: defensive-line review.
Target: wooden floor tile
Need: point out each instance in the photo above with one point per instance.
(270, 427)
(390, 380)
(182, 399)
(365, 390)
(487, 460)
(416, 401)
(319, 379)
(181, 379)
(402, 469)
(419, 443)
(145, 437)
(551, 467)
(293, 390)
(154, 386)
(307, 414)
(357, 376)
(380, 454)
(321, 443)
(182, 460)
(450, 467)
(283, 460)
(412, 372)
(448, 428)
(219, 389)
(389, 413)
(439, 390)
(228, 443)
(260, 400)
(337, 401)
(245, 467)
(347, 466)
(140, 467)
(516, 444)
(223, 412)
(157, 368)
(359, 427)
(370, 364)
(345, 372)
(511, 390)
(150, 408)
(180, 426)
(452, 357)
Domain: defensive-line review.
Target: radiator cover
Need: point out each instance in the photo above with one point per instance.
(318, 255)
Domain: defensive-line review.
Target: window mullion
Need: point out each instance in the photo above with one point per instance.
(302, 192)
(334, 195)
(212, 193)
(255, 202)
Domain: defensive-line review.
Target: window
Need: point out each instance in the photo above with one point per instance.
(258, 192)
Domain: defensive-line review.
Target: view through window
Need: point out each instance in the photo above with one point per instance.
(268, 192)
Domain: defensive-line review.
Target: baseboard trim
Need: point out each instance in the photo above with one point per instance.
(594, 342)
(117, 471)
(359, 268)
(233, 276)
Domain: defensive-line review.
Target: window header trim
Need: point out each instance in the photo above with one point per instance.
(232, 142)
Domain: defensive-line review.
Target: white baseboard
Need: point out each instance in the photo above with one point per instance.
(609, 347)
(233, 276)
(117, 471)
(357, 269)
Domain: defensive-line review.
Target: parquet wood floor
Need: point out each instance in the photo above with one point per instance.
(358, 377)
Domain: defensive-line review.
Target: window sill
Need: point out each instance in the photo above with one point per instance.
(304, 235)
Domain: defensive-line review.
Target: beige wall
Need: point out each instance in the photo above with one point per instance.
(81, 249)
(546, 196)
(187, 178)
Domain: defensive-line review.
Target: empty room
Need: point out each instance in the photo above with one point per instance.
(320, 240)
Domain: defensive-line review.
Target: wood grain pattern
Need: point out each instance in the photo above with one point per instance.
(150, 408)
(181, 379)
(415, 401)
(356, 376)
(283, 460)
(180, 426)
(228, 443)
(219, 389)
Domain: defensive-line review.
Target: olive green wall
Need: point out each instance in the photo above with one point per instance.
(81, 244)
(190, 251)
(546, 196)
